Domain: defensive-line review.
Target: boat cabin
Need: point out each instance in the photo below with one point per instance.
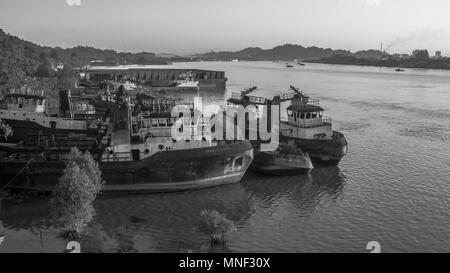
(28, 102)
(306, 120)
(305, 112)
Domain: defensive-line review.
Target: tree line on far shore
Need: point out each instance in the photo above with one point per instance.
(419, 58)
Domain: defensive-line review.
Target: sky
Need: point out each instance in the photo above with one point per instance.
(197, 26)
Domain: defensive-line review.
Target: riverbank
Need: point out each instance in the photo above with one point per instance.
(443, 63)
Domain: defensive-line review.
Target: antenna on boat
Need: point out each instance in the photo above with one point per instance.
(249, 90)
(295, 89)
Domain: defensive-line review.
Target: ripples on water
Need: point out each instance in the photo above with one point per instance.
(392, 187)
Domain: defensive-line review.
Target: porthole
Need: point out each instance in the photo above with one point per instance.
(160, 146)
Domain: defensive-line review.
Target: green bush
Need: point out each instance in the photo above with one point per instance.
(5, 130)
(215, 225)
(73, 197)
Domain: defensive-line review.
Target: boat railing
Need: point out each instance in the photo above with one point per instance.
(257, 100)
(192, 132)
(158, 107)
(313, 102)
(310, 123)
(116, 156)
(327, 120)
(285, 96)
(236, 95)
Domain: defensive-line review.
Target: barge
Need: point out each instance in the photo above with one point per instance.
(154, 75)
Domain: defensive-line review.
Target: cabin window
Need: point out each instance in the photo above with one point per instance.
(136, 154)
(314, 115)
(239, 162)
(53, 124)
(302, 116)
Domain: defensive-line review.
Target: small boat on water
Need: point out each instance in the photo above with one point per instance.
(399, 70)
(186, 82)
(286, 160)
(301, 64)
(289, 65)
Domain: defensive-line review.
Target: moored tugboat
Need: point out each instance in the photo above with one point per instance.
(311, 131)
(306, 126)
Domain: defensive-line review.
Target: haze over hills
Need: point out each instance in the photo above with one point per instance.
(21, 59)
(286, 52)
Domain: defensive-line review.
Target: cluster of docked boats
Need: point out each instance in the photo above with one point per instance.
(131, 139)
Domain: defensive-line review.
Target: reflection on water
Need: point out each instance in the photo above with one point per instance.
(168, 222)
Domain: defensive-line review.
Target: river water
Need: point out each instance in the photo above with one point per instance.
(393, 187)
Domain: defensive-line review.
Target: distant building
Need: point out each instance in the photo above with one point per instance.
(398, 56)
(58, 66)
(438, 55)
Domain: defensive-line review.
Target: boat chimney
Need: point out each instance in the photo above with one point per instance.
(65, 104)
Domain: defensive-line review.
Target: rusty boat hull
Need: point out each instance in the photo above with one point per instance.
(165, 171)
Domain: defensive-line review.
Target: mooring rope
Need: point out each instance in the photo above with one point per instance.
(10, 181)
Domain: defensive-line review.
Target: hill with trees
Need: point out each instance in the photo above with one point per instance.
(22, 60)
(287, 52)
(418, 59)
